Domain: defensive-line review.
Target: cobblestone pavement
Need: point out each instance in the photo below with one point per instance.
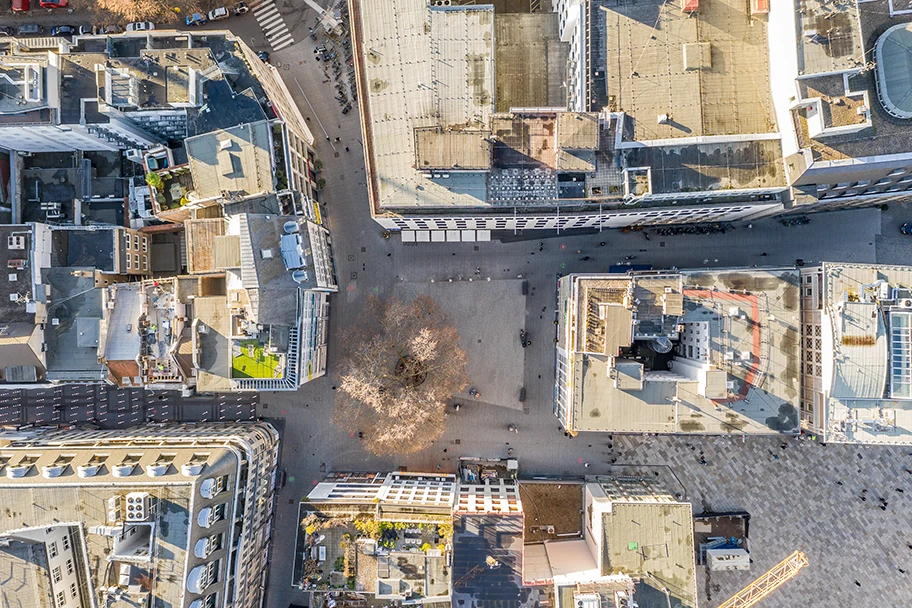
(795, 502)
(111, 407)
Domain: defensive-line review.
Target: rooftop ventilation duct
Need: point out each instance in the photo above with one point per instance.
(18, 472)
(192, 470)
(123, 470)
(87, 470)
(52, 471)
(156, 470)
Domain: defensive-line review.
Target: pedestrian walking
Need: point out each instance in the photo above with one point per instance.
(586, 464)
(346, 148)
(763, 255)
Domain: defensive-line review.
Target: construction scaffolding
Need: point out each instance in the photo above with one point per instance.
(768, 582)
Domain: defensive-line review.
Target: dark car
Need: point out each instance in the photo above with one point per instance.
(30, 29)
(7, 31)
(87, 30)
(196, 19)
(906, 228)
(264, 56)
(63, 30)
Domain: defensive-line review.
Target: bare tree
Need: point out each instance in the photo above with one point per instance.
(159, 11)
(400, 363)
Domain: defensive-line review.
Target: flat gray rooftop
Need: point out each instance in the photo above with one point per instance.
(231, 161)
(763, 396)
(828, 37)
(530, 61)
(696, 167)
(422, 67)
(23, 576)
(709, 71)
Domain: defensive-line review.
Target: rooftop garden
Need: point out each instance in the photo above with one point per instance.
(249, 359)
(335, 546)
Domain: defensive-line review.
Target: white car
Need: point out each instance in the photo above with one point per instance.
(140, 26)
(218, 14)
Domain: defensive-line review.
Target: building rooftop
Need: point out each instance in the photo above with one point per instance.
(866, 378)
(235, 162)
(85, 247)
(201, 237)
(436, 148)
(22, 84)
(269, 256)
(654, 541)
(215, 344)
(707, 71)
(26, 582)
(120, 329)
(859, 42)
(829, 37)
(120, 563)
(708, 166)
(72, 331)
(635, 356)
(16, 244)
(426, 67)
(530, 61)
(477, 538)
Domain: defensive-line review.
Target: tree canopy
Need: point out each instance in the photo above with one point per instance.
(400, 364)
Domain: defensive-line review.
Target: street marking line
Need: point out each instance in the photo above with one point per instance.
(282, 45)
(277, 36)
(268, 15)
(274, 22)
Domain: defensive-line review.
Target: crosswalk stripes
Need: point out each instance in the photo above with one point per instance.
(272, 24)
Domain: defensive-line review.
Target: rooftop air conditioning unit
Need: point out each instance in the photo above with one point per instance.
(15, 241)
(137, 506)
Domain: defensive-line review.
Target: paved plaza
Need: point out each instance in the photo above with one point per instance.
(489, 316)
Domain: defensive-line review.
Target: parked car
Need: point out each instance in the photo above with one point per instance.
(140, 26)
(906, 228)
(7, 31)
(217, 14)
(196, 19)
(63, 30)
(53, 3)
(30, 29)
(87, 30)
(20, 6)
(264, 56)
(110, 29)
(240, 8)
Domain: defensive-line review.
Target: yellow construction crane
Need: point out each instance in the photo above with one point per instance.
(768, 582)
